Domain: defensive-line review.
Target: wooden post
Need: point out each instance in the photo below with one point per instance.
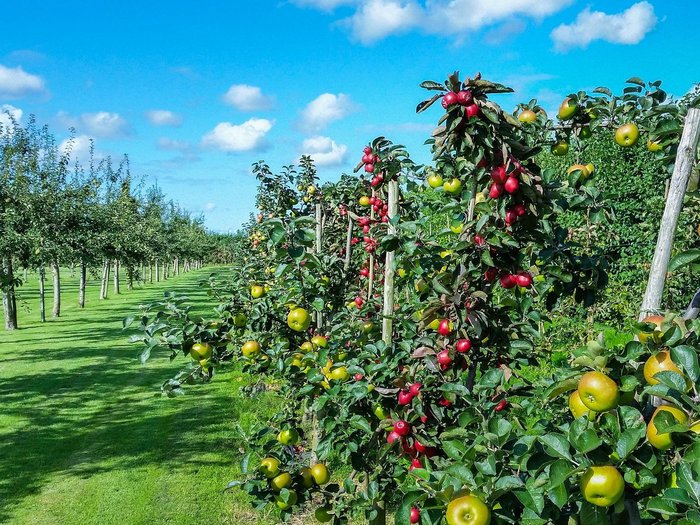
(116, 277)
(42, 294)
(56, 289)
(685, 160)
(388, 311)
(81, 285)
(105, 279)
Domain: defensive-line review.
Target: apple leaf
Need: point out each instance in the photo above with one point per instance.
(432, 85)
(556, 445)
(687, 357)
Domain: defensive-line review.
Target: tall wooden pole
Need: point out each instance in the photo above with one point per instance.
(685, 160)
(348, 245)
(388, 310)
(319, 243)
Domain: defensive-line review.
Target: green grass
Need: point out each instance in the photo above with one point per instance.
(85, 437)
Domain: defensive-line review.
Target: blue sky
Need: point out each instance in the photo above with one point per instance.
(195, 93)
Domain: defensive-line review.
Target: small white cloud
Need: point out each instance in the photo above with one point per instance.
(377, 19)
(628, 27)
(209, 206)
(243, 137)
(163, 117)
(15, 82)
(247, 98)
(8, 113)
(167, 144)
(79, 149)
(102, 124)
(324, 151)
(325, 109)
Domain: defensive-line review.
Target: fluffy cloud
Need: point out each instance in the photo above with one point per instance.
(374, 20)
(79, 148)
(102, 124)
(377, 19)
(248, 136)
(628, 27)
(15, 82)
(247, 98)
(324, 151)
(325, 109)
(8, 113)
(209, 207)
(163, 117)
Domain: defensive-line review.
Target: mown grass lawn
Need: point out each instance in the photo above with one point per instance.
(85, 437)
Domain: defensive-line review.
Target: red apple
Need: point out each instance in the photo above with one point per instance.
(367, 150)
(415, 388)
(415, 463)
(471, 110)
(508, 281)
(392, 437)
(511, 216)
(449, 99)
(444, 327)
(415, 515)
(369, 168)
(444, 358)
(498, 174)
(359, 302)
(405, 397)
(523, 279)
(512, 185)
(463, 346)
(496, 190)
(402, 428)
(445, 402)
(464, 97)
(479, 240)
(501, 405)
(490, 274)
(520, 209)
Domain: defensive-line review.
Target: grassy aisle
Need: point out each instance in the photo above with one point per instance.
(84, 439)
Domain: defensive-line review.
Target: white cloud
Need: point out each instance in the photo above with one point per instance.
(325, 109)
(167, 144)
(374, 20)
(163, 117)
(628, 27)
(102, 124)
(243, 137)
(324, 151)
(209, 207)
(7, 114)
(247, 98)
(15, 82)
(377, 19)
(79, 148)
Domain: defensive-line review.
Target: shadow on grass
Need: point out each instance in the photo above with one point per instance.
(83, 408)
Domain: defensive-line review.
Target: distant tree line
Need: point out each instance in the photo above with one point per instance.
(93, 216)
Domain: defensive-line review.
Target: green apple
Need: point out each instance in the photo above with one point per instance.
(602, 486)
(281, 481)
(453, 186)
(467, 510)
(627, 135)
(270, 467)
(560, 149)
(567, 110)
(291, 500)
(240, 320)
(299, 320)
(288, 436)
(435, 180)
(527, 117)
(200, 351)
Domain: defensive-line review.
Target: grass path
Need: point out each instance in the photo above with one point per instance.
(85, 437)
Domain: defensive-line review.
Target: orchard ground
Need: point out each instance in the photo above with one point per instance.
(85, 437)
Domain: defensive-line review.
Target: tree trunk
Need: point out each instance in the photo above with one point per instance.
(157, 272)
(177, 266)
(685, 160)
(81, 288)
(165, 270)
(388, 311)
(150, 271)
(116, 277)
(26, 274)
(105, 279)
(9, 302)
(42, 294)
(56, 289)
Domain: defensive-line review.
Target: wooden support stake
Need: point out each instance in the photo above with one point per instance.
(388, 311)
(685, 160)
